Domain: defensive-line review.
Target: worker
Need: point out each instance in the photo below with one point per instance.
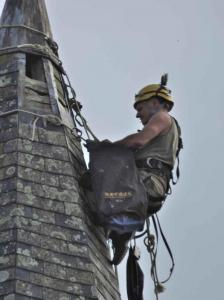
(155, 148)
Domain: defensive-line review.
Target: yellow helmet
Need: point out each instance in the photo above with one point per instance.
(155, 90)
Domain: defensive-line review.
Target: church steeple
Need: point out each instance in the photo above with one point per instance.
(27, 15)
(49, 247)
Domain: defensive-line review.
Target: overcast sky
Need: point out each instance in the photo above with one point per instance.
(111, 49)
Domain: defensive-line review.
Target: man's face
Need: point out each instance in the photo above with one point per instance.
(146, 109)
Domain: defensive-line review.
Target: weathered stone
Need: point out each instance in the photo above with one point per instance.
(29, 263)
(4, 276)
(38, 202)
(8, 105)
(28, 289)
(10, 146)
(73, 209)
(28, 237)
(30, 161)
(7, 248)
(8, 93)
(59, 167)
(22, 274)
(6, 288)
(51, 294)
(10, 297)
(7, 185)
(26, 223)
(7, 236)
(8, 79)
(37, 176)
(8, 159)
(43, 150)
(69, 183)
(69, 221)
(8, 198)
(7, 261)
(9, 121)
(51, 137)
(8, 134)
(7, 172)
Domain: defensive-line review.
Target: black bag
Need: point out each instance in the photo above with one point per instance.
(121, 200)
(135, 277)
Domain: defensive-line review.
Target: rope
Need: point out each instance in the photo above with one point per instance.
(53, 119)
(151, 243)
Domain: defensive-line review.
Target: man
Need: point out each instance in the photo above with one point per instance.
(155, 147)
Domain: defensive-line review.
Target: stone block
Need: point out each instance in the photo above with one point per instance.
(8, 159)
(43, 150)
(7, 248)
(9, 121)
(28, 289)
(58, 167)
(8, 172)
(50, 294)
(30, 161)
(29, 263)
(27, 224)
(8, 198)
(68, 183)
(8, 185)
(69, 221)
(8, 235)
(10, 146)
(6, 288)
(8, 93)
(38, 202)
(30, 238)
(8, 79)
(8, 134)
(37, 176)
(7, 261)
(8, 105)
(51, 137)
(73, 209)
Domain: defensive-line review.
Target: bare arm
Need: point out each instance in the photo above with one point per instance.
(158, 124)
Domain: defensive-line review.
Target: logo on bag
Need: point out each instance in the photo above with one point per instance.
(114, 195)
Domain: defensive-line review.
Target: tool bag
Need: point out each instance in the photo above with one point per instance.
(120, 196)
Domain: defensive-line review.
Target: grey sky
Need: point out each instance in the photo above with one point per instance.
(111, 49)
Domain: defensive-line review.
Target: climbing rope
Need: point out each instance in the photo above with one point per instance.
(151, 243)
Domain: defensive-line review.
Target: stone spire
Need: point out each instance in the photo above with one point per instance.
(49, 247)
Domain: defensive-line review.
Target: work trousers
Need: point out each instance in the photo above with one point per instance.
(156, 183)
